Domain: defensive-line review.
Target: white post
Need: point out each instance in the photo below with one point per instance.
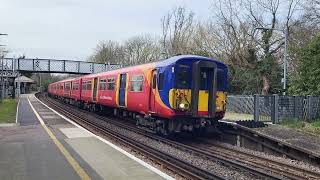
(285, 61)
(2, 79)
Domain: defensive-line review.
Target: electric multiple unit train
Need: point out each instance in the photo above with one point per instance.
(181, 93)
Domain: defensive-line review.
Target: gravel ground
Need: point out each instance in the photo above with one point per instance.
(288, 161)
(203, 163)
(216, 167)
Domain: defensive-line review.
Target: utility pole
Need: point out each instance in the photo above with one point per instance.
(285, 61)
(2, 76)
(2, 79)
(2, 71)
(285, 55)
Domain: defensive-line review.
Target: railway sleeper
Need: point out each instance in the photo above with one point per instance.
(165, 127)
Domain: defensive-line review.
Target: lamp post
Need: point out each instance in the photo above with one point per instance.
(2, 74)
(285, 58)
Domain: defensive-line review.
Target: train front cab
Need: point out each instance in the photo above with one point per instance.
(198, 95)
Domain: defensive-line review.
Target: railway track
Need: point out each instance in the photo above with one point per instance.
(254, 164)
(284, 169)
(183, 168)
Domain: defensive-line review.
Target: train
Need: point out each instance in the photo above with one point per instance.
(184, 93)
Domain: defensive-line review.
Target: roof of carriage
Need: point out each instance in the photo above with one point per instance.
(174, 59)
(161, 63)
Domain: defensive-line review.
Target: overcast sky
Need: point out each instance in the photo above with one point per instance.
(70, 29)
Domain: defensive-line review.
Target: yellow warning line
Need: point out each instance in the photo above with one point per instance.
(64, 151)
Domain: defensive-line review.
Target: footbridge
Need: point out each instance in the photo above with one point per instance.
(11, 67)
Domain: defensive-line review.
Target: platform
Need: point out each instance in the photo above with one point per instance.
(301, 140)
(48, 146)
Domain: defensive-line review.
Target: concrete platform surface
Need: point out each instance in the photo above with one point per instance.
(294, 137)
(27, 152)
(56, 148)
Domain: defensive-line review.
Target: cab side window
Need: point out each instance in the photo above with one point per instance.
(154, 81)
(161, 81)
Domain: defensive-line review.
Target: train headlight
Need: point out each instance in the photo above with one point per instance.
(183, 106)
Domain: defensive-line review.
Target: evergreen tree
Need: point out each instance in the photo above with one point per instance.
(305, 81)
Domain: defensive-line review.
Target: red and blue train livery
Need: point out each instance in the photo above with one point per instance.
(182, 93)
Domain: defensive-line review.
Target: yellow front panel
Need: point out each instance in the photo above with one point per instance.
(203, 101)
(184, 95)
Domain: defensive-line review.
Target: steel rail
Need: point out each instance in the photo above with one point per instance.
(213, 157)
(256, 166)
(275, 166)
(183, 168)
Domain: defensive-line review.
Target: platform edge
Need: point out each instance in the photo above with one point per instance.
(150, 167)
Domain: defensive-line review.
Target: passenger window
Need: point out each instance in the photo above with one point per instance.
(136, 83)
(84, 85)
(67, 86)
(89, 86)
(161, 81)
(75, 86)
(102, 84)
(111, 84)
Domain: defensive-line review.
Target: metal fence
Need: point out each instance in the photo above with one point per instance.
(272, 108)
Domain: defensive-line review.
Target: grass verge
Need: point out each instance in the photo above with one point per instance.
(8, 108)
(310, 127)
(237, 116)
(241, 116)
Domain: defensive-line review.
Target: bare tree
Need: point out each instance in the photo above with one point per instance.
(236, 23)
(108, 52)
(271, 42)
(177, 29)
(141, 49)
(312, 12)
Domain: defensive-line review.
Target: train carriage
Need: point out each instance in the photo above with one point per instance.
(60, 87)
(107, 90)
(182, 93)
(67, 88)
(75, 93)
(87, 89)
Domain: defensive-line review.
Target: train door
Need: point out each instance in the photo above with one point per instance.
(70, 91)
(152, 96)
(204, 77)
(80, 89)
(122, 89)
(95, 88)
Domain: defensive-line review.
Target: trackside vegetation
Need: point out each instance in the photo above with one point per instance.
(305, 80)
(8, 108)
(310, 127)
